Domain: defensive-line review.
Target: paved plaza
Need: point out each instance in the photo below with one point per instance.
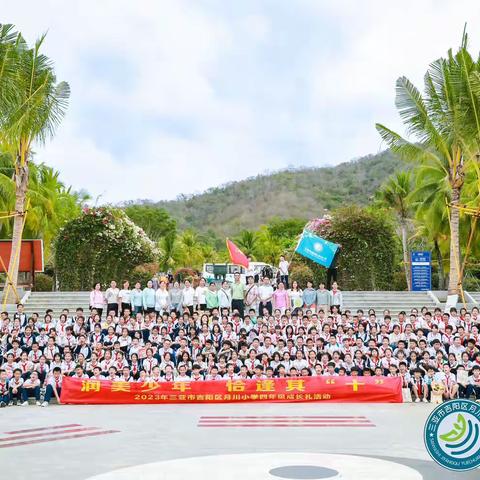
(249, 441)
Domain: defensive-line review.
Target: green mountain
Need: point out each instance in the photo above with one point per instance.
(302, 193)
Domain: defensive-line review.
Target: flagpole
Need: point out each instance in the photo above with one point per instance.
(295, 249)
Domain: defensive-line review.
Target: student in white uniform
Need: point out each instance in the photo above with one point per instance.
(473, 387)
(225, 296)
(200, 296)
(31, 388)
(97, 374)
(124, 297)
(162, 299)
(4, 396)
(15, 387)
(449, 381)
(155, 376)
(182, 374)
(150, 362)
(54, 387)
(188, 296)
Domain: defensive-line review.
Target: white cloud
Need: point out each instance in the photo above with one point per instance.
(175, 96)
(257, 26)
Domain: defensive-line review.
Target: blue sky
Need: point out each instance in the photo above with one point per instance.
(173, 97)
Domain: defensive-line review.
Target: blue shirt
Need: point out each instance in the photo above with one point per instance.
(148, 298)
(136, 298)
(309, 296)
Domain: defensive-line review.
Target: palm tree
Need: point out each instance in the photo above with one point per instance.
(269, 249)
(395, 195)
(248, 242)
(190, 249)
(209, 254)
(446, 126)
(51, 203)
(32, 105)
(170, 254)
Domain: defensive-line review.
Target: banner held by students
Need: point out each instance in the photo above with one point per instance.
(317, 249)
(300, 389)
(236, 255)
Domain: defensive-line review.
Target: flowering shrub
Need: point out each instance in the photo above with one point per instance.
(319, 225)
(369, 247)
(100, 245)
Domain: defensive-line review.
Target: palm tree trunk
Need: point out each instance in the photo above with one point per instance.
(455, 281)
(21, 185)
(406, 262)
(441, 268)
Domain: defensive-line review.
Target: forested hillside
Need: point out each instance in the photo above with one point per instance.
(300, 193)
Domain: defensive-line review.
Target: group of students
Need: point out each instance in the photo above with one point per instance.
(191, 338)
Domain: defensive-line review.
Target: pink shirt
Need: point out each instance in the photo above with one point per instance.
(97, 299)
(280, 298)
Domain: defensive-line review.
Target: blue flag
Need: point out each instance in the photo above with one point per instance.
(317, 249)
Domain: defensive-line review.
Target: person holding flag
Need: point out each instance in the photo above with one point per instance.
(283, 268)
(238, 288)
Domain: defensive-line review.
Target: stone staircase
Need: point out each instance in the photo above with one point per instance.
(476, 297)
(393, 301)
(39, 302)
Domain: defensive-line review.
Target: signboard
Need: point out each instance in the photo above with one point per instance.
(421, 268)
(294, 389)
(30, 257)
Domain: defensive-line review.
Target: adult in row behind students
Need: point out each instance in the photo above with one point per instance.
(238, 294)
(97, 298)
(111, 296)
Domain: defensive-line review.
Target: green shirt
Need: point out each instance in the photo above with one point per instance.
(238, 291)
(211, 299)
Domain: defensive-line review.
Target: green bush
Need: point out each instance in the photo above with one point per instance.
(43, 283)
(300, 273)
(369, 248)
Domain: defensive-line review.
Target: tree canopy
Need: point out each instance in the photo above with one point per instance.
(155, 222)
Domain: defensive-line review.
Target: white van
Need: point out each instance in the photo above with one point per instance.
(226, 271)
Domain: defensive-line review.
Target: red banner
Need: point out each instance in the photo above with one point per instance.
(300, 389)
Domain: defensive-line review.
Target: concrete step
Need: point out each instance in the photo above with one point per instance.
(475, 296)
(34, 298)
(57, 301)
(39, 302)
(402, 297)
(54, 295)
